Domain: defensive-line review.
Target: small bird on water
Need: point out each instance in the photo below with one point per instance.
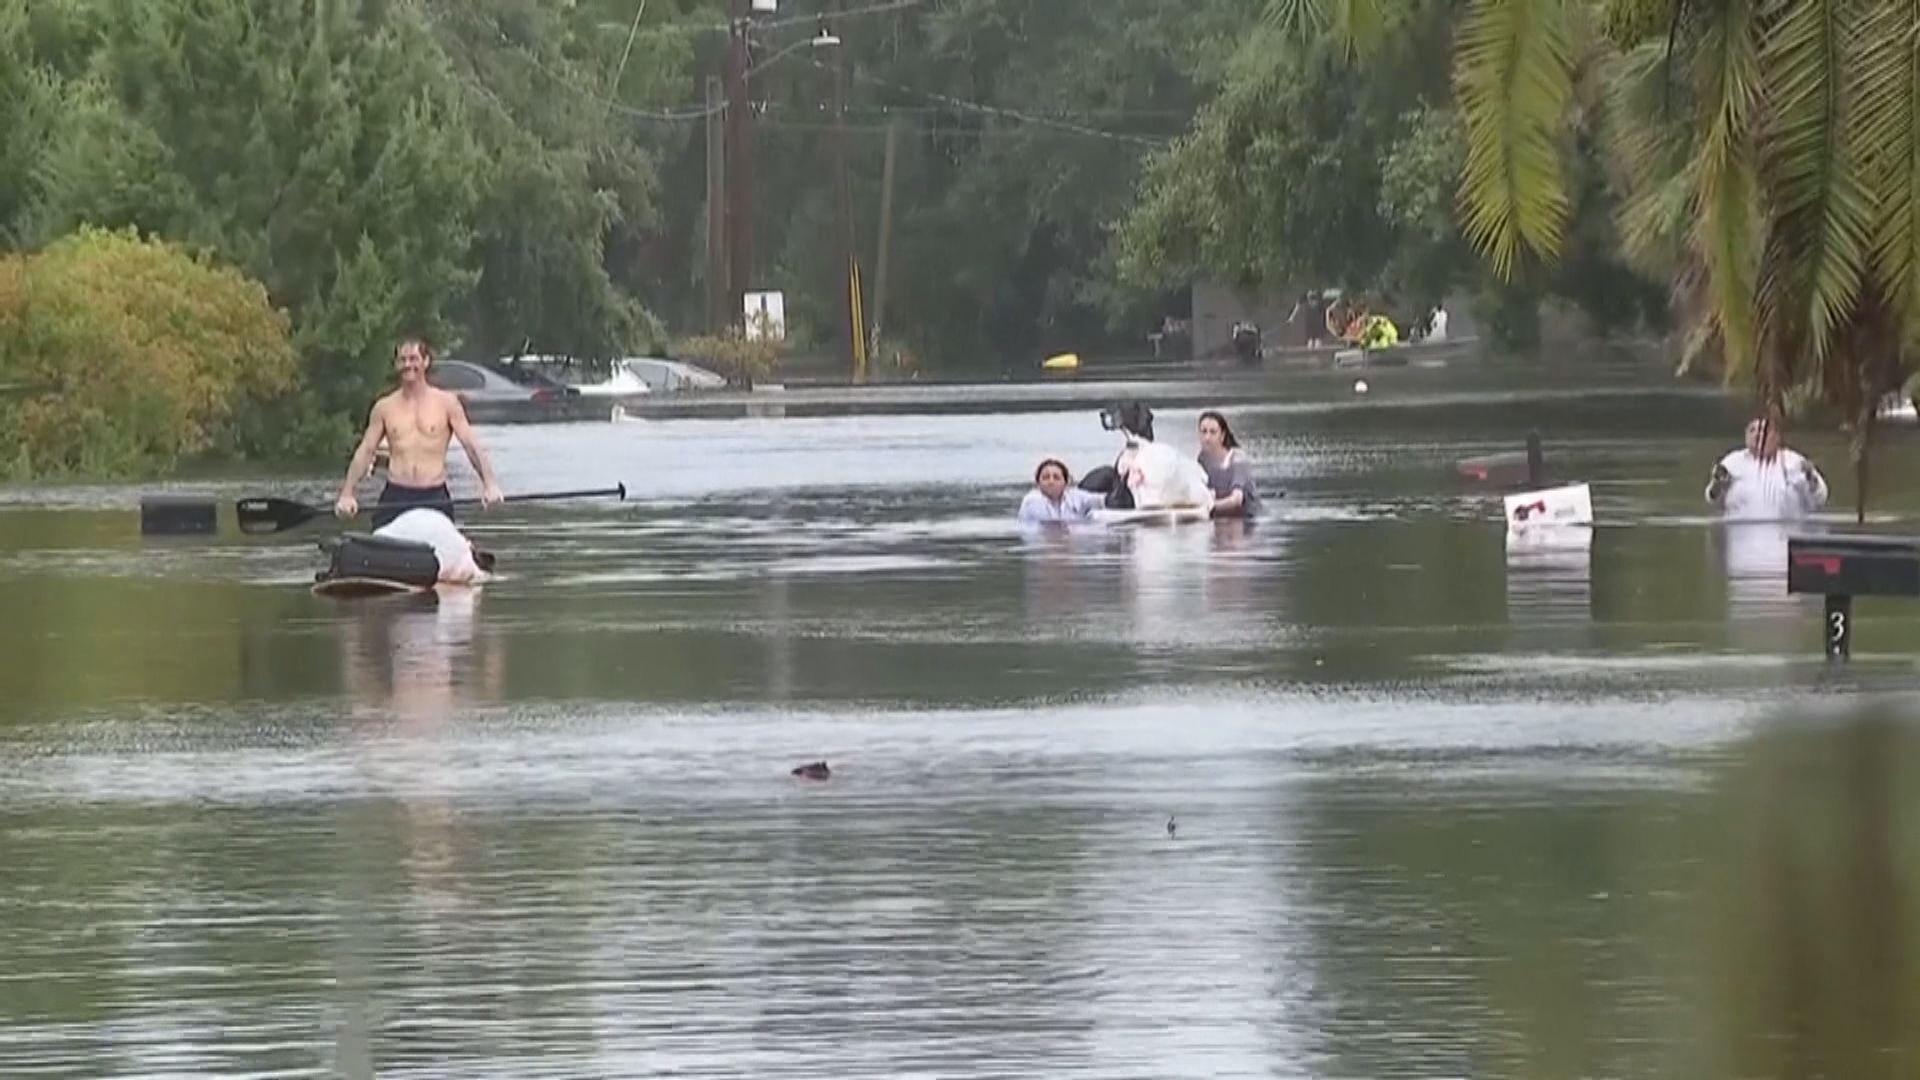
(816, 771)
(1170, 827)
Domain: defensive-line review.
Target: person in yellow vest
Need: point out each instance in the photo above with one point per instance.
(1378, 332)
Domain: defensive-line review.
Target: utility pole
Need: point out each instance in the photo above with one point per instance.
(852, 335)
(719, 273)
(738, 167)
(886, 233)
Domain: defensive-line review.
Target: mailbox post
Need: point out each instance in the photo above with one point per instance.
(1843, 567)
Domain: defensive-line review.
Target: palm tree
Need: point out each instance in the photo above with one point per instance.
(1770, 152)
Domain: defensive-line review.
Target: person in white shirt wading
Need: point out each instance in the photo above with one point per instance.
(1764, 481)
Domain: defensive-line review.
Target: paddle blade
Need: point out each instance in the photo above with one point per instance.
(267, 514)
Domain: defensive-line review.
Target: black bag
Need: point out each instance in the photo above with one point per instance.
(383, 558)
(1105, 480)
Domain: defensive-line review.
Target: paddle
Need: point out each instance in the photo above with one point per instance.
(269, 514)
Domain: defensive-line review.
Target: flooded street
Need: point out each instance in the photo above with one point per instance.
(1347, 792)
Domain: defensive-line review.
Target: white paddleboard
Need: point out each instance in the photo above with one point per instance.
(1163, 515)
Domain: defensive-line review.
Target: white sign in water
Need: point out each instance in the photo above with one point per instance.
(1570, 505)
(1551, 520)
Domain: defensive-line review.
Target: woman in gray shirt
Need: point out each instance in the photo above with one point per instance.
(1229, 472)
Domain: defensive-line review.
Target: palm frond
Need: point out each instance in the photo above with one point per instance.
(1357, 26)
(1653, 223)
(1362, 25)
(1726, 189)
(1649, 159)
(1693, 306)
(1821, 216)
(1886, 105)
(1302, 19)
(1630, 23)
(1862, 357)
(1514, 77)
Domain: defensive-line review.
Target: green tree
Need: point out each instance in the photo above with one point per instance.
(1323, 163)
(1774, 154)
(135, 354)
(317, 146)
(1771, 154)
(385, 168)
(554, 92)
(1023, 124)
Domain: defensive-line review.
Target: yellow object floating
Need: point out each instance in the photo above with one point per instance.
(1061, 362)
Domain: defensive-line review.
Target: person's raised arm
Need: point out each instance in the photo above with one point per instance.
(476, 454)
(1816, 485)
(1717, 483)
(344, 504)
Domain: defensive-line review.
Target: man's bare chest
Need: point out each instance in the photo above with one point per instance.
(427, 420)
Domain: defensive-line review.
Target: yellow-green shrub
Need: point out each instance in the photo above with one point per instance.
(732, 354)
(127, 355)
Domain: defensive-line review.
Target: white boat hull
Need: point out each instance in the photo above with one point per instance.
(1167, 515)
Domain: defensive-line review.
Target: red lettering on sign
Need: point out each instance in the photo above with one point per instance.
(1828, 564)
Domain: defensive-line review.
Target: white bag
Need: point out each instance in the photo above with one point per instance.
(1166, 478)
(451, 548)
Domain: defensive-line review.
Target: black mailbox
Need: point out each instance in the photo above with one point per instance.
(1843, 567)
(1853, 565)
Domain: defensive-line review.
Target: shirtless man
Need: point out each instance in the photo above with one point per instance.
(418, 421)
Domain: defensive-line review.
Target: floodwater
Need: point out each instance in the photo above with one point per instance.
(1351, 792)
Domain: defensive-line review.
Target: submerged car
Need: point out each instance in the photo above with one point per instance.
(504, 395)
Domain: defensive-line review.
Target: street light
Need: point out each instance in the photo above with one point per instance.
(853, 336)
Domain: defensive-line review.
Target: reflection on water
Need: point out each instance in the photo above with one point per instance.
(1762, 617)
(1615, 891)
(403, 658)
(1550, 589)
(1804, 926)
(1163, 581)
(1444, 806)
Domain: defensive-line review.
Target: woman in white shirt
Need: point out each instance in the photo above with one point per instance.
(1764, 481)
(1052, 500)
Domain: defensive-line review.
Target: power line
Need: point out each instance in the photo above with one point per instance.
(1050, 114)
(876, 9)
(1011, 114)
(695, 113)
(684, 114)
(955, 133)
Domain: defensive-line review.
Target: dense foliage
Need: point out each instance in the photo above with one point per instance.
(384, 168)
(1326, 164)
(509, 175)
(1769, 155)
(125, 355)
